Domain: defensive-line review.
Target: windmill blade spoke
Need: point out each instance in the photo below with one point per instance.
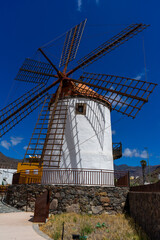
(35, 71)
(126, 95)
(71, 44)
(110, 45)
(45, 146)
(50, 126)
(34, 150)
(22, 107)
(52, 150)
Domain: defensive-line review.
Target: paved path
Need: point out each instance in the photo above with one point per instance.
(17, 225)
(7, 209)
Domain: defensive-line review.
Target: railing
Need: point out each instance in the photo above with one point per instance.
(78, 177)
(68, 176)
(117, 150)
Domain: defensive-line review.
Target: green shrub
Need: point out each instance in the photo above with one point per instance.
(86, 229)
(56, 235)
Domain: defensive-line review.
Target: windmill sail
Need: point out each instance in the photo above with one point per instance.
(45, 146)
(35, 71)
(36, 144)
(71, 44)
(109, 45)
(52, 150)
(22, 107)
(125, 94)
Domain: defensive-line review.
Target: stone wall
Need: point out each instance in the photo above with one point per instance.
(145, 209)
(80, 199)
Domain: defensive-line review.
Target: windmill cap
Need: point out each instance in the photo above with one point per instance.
(70, 89)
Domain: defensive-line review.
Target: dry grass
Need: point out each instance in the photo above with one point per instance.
(99, 227)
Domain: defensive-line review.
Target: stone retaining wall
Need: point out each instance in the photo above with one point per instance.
(145, 209)
(80, 199)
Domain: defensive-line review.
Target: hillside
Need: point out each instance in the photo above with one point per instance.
(135, 171)
(153, 177)
(7, 162)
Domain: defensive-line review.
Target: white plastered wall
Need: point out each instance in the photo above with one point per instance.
(6, 174)
(87, 138)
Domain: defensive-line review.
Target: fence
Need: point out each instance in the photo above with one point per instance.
(75, 177)
(155, 187)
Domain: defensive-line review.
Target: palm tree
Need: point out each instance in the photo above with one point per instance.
(143, 164)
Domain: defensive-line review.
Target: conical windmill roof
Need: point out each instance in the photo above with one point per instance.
(70, 89)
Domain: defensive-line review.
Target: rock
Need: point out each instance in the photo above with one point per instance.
(23, 208)
(96, 209)
(29, 209)
(62, 194)
(110, 213)
(57, 195)
(104, 194)
(106, 204)
(32, 205)
(70, 198)
(54, 204)
(73, 208)
(91, 203)
(104, 199)
(20, 204)
(80, 192)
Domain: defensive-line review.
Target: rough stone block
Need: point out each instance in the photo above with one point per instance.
(104, 194)
(104, 199)
(57, 195)
(106, 204)
(96, 209)
(73, 208)
(54, 204)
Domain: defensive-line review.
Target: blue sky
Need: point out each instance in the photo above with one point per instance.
(26, 25)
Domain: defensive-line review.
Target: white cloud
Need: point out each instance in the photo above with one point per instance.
(15, 140)
(79, 5)
(113, 132)
(134, 153)
(25, 147)
(114, 99)
(140, 75)
(5, 144)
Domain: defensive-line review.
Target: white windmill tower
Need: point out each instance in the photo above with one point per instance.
(72, 138)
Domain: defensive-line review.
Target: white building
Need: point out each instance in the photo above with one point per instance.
(6, 175)
(87, 140)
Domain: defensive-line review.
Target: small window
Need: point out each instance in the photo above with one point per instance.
(27, 171)
(35, 171)
(81, 108)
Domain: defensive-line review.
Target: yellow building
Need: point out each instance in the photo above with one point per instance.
(30, 172)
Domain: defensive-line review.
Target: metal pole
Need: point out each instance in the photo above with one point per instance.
(149, 173)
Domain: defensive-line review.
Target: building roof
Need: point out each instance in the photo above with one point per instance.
(71, 89)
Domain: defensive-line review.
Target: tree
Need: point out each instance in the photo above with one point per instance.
(143, 164)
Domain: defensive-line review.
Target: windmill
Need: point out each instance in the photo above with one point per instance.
(78, 109)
